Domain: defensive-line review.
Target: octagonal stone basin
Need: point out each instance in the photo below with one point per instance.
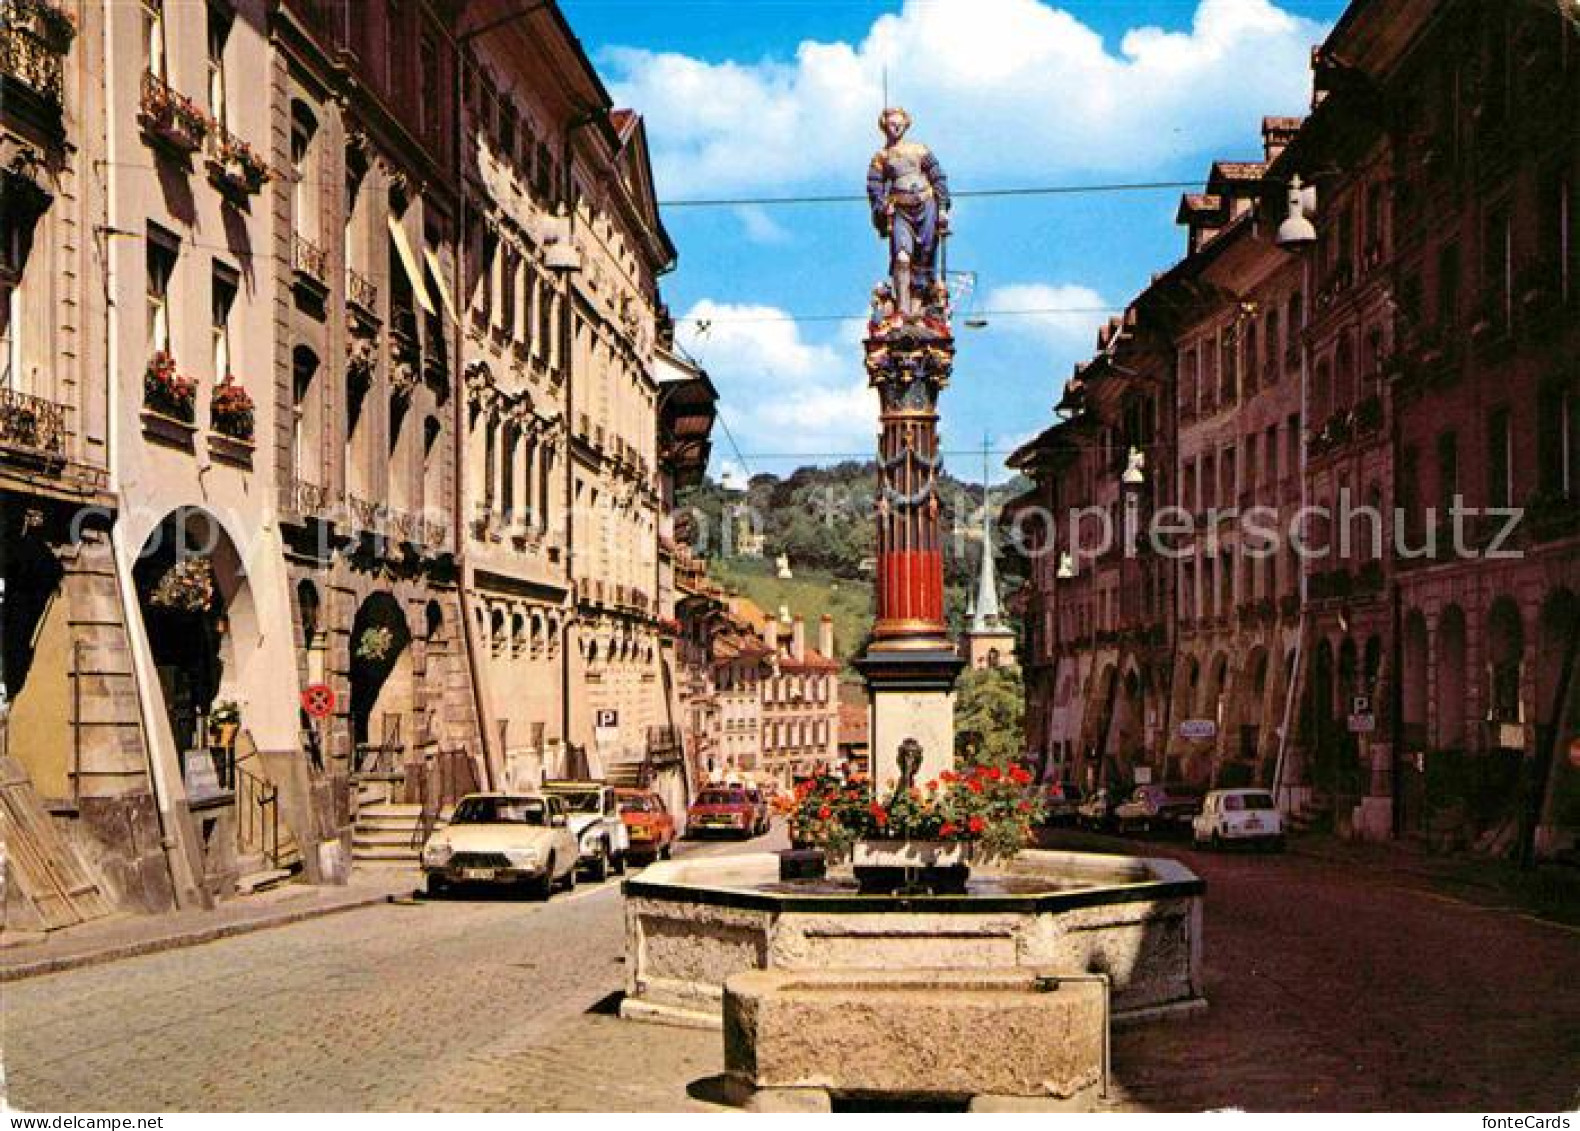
(690, 924)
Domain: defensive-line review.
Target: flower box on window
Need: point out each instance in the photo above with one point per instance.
(171, 120)
(168, 392)
(231, 410)
(235, 167)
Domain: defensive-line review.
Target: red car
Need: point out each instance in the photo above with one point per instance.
(648, 821)
(726, 809)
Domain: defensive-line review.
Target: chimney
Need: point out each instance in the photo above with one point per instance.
(798, 638)
(825, 636)
(771, 634)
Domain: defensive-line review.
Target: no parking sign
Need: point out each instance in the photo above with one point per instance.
(318, 700)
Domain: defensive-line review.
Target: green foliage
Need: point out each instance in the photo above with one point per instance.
(822, 518)
(989, 709)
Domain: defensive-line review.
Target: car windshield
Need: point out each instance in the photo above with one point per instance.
(1235, 802)
(500, 811)
(579, 800)
(637, 805)
(721, 797)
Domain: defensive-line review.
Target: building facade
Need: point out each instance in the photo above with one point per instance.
(1358, 367)
(311, 380)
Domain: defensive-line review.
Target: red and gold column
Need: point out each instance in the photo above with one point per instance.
(909, 664)
(909, 364)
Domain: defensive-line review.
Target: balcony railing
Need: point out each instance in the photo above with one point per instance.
(361, 290)
(170, 119)
(34, 38)
(32, 426)
(308, 258)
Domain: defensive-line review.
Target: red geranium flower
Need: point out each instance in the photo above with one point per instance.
(994, 773)
(1024, 806)
(974, 786)
(976, 824)
(1020, 776)
(932, 785)
(949, 829)
(824, 813)
(948, 776)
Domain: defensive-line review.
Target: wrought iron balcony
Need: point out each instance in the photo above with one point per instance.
(362, 291)
(170, 119)
(35, 36)
(308, 258)
(32, 427)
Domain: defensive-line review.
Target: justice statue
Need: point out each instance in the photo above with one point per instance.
(909, 195)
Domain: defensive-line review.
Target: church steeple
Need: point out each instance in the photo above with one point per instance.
(986, 612)
(988, 642)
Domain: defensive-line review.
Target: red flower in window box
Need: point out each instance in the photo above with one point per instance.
(167, 391)
(231, 410)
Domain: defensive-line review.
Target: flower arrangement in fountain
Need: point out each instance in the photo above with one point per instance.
(988, 807)
(375, 643)
(231, 410)
(167, 391)
(187, 587)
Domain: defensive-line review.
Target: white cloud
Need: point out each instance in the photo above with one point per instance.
(1006, 89)
(1063, 316)
(761, 227)
(780, 393)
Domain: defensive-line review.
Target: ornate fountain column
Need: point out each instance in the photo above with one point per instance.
(910, 664)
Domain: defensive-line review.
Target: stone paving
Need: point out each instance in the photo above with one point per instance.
(1331, 986)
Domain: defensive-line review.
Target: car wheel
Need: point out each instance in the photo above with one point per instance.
(436, 886)
(542, 888)
(619, 864)
(570, 876)
(598, 870)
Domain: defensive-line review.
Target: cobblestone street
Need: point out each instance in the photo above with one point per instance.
(1330, 985)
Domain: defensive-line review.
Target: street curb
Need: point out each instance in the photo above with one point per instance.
(115, 953)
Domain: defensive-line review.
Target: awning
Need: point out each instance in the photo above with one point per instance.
(408, 262)
(438, 280)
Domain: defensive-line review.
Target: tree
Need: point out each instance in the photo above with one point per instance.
(990, 704)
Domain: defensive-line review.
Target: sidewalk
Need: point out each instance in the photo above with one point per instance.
(123, 936)
(1548, 892)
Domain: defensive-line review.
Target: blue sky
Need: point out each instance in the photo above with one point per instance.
(754, 98)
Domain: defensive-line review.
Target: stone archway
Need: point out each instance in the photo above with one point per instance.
(196, 603)
(382, 685)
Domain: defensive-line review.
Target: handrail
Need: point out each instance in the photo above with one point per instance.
(258, 812)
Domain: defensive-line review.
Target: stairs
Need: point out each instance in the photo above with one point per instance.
(383, 833)
(626, 775)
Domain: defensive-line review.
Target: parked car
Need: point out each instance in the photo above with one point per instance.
(502, 838)
(725, 809)
(1096, 810)
(1239, 816)
(1157, 807)
(1061, 801)
(594, 815)
(648, 822)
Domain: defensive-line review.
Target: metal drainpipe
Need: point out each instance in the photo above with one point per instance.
(568, 365)
(1300, 635)
(493, 757)
(184, 883)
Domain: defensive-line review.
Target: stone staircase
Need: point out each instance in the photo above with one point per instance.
(626, 775)
(384, 831)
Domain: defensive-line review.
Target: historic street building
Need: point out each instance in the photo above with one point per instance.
(1366, 325)
(336, 437)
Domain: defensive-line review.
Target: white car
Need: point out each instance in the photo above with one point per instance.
(503, 838)
(593, 811)
(1239, 816)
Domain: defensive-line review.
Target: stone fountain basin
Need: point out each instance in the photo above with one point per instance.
(691, 924)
